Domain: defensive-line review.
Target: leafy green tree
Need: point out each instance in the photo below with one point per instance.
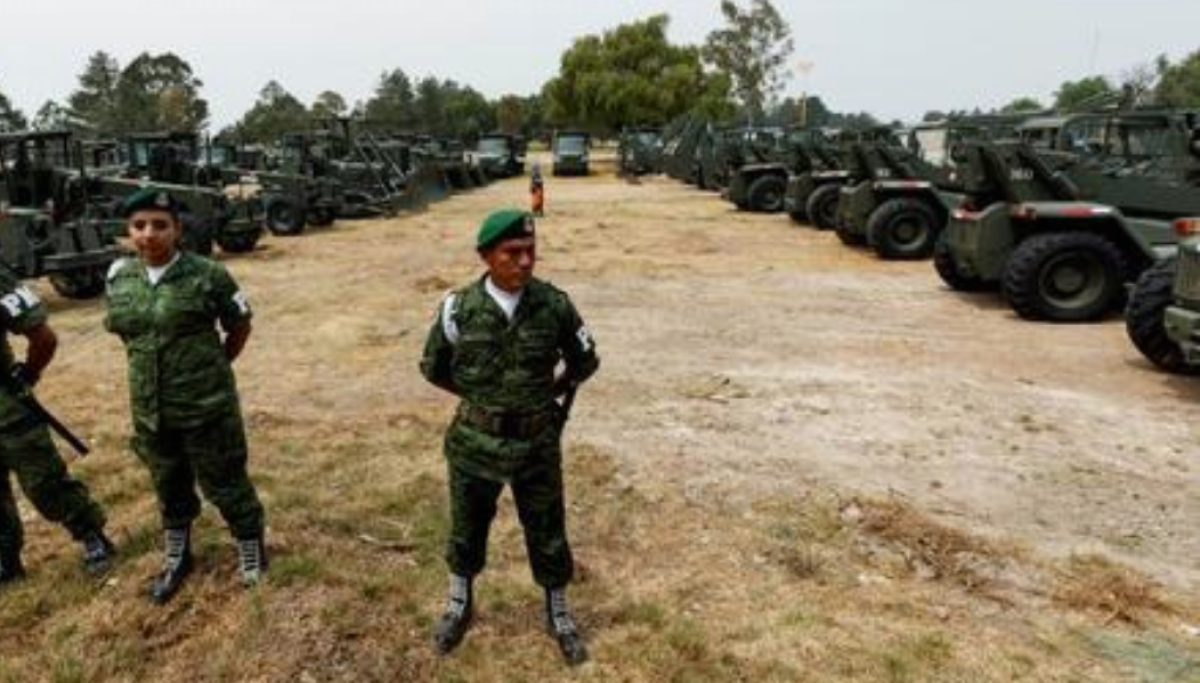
(630, 74)
(534, 121)
(510, 114)
(467, 112)
(158, 92)
(752, 49)
(327, 105)
(1085, 92)
(393, 105)
(276, 112)
(1022, 104)
(430, 105)
(54, 116)
(1179, 84)
(94, 102)
(11, 118)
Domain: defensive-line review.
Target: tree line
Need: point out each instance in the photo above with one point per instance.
(630, 74)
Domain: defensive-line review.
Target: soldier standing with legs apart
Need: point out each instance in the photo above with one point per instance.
(166, 306)
(26, 448)
(498, 344)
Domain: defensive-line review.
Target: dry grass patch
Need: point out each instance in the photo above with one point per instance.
(1095, 584)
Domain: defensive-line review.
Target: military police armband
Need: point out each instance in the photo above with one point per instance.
(586, 344)
(449, 325)
(243, 304)
(19, 301)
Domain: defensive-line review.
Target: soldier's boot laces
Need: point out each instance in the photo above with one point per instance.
(177, 564)
(562, 626)
(252, 560)
(457, 618)
(11, 568)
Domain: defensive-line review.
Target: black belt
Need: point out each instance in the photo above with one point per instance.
(507, 424)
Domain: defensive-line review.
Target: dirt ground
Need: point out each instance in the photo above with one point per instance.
(769, 404)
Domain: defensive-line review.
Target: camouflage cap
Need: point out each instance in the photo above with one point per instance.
(149, 198)
(502, 225)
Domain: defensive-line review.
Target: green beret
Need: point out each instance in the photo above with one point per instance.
(502, 225)
(149, 198)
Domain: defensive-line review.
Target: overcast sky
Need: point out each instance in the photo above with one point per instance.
(893, 58)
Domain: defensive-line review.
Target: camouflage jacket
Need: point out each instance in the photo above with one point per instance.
(476, 353)
(20, 311)
(179, 376)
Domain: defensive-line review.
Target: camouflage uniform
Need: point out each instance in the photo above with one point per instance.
(186, 415)
(25, 445)
(508, 425)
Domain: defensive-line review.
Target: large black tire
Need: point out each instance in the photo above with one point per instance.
(322, 216)
(943, 263)
(1144, 319)
(197, 234)
(239, 243)
(821, 206)
(1065, 277)
(903, 228)
(84, 283)
(284, 217)
(765, 194)
(849, 238)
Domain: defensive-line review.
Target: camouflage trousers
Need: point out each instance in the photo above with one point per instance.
(539, 500)
(31, 455)
(214, 456)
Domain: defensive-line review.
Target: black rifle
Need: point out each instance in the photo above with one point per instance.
(25, 395)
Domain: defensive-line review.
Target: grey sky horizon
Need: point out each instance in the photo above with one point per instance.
(893, 58)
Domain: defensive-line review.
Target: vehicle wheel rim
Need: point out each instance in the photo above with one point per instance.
(908, 231)
(1073, 280)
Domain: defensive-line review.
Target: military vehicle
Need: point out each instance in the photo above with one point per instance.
(46, 226)
(570, 149)
(375, 173)
(681, 143)
(814, 194)
(451, 158)
(734, 148)
(501, 155)
(907, 194)
(209, 212)
(299, 189)
(1062, 231)
(1162, 317)
(639, 151)
(761, 183)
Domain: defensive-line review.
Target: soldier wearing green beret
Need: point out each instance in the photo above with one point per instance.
(169, 308)
(509, 346)
(26, 448)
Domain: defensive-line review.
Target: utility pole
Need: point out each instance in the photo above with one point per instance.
(804, 68)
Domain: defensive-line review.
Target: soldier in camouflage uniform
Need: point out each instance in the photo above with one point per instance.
(166, 305)
(498, 344)
(26, 448)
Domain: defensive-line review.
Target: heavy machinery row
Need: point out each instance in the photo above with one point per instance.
(60, 195)
(1070, 217)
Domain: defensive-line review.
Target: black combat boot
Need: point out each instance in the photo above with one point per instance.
(252, 560)
(561, 625)
(177, 564)
(11, 568)
(457, 618)
(98, 553)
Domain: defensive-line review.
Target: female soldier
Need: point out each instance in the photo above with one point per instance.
(166, 305)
